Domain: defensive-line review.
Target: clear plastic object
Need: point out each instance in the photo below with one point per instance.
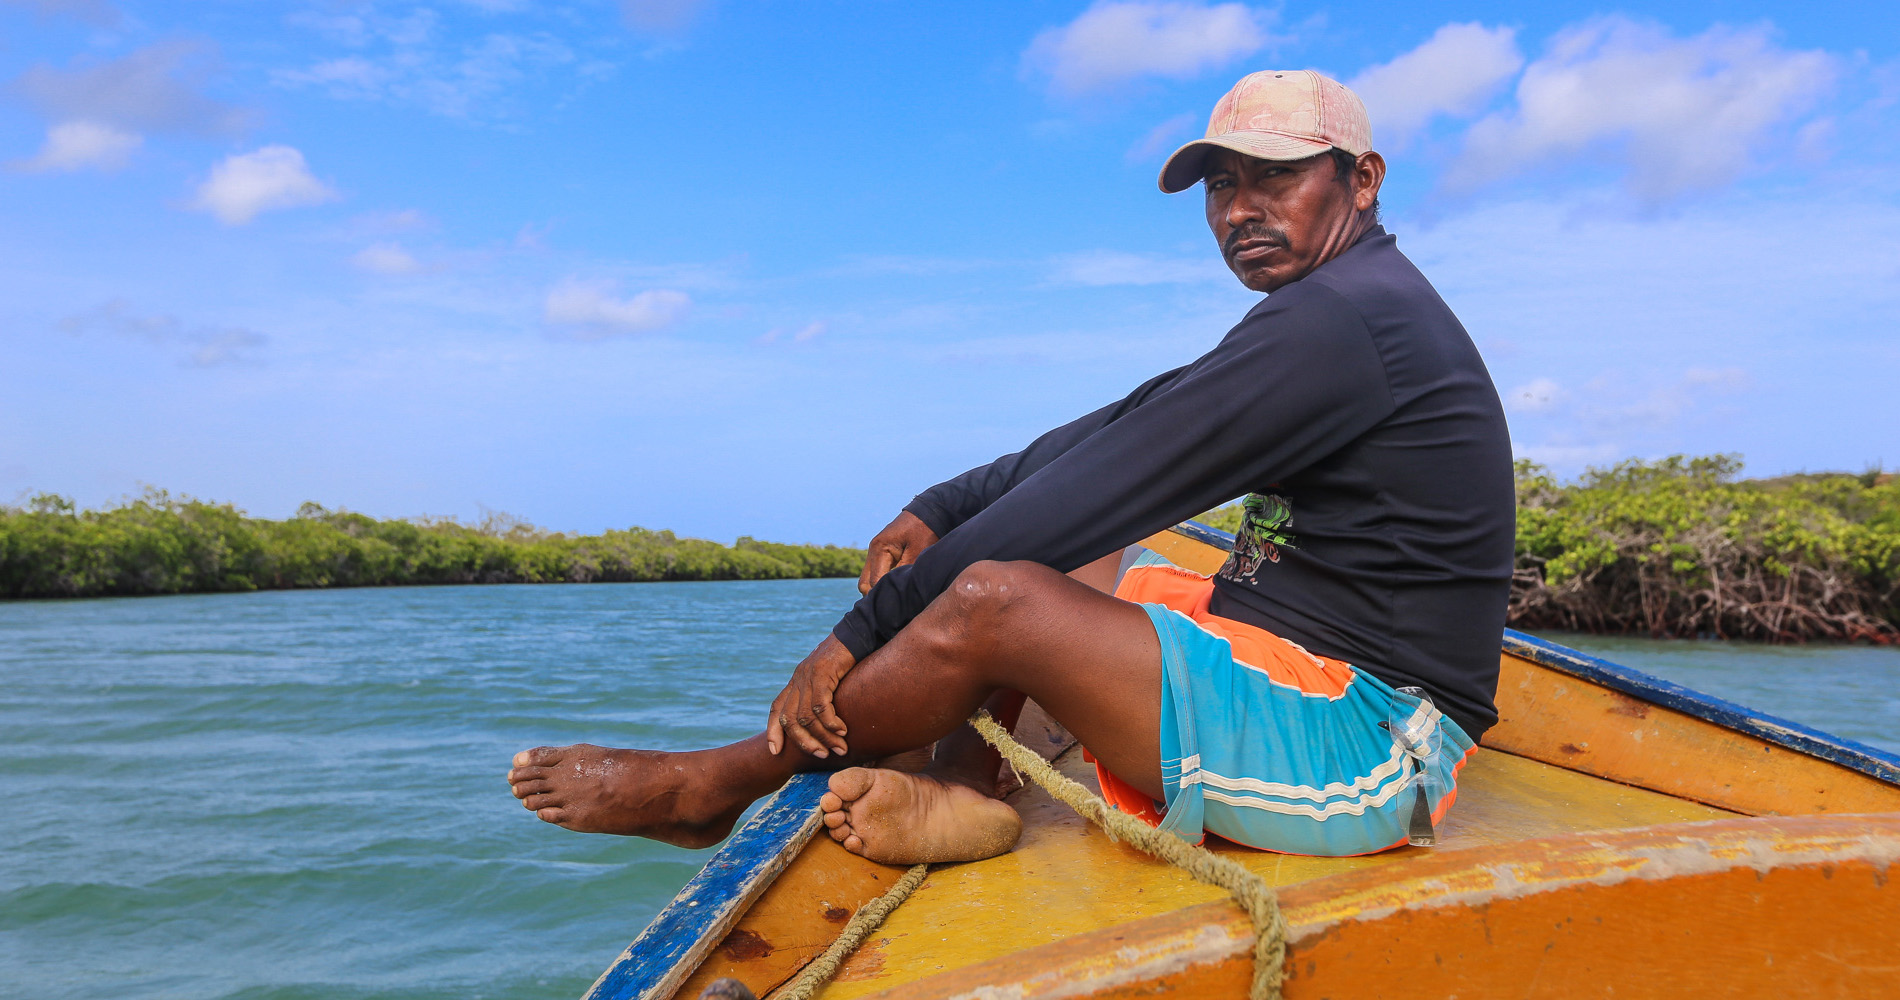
(1414, 732)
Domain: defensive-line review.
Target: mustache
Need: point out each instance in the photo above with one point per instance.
(1253, 232)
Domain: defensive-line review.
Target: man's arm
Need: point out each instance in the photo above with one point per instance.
(1294, 382)
(802, 712)
(948, 504)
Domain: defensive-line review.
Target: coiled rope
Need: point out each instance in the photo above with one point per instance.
(1258, 899)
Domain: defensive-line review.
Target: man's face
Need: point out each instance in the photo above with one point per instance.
(1277, 220)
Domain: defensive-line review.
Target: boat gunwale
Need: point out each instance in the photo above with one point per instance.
(1851, 754)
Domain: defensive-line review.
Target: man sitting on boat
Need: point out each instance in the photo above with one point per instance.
(1261, 704)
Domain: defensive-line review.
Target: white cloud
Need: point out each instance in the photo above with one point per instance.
(386, 258)
(1115, 41)
(408, 61)
(153, 89)
(1730, 379)
(1099, 268)
(593, 309)
(1676, 114)
(1615, 405)
(1568, 459)
(1539, 395)
(1161, 137)
(352, 76)
(1455, 72)
(270, 178)
(228, 346)
(533, 236)
(386, 223)
(803, 335)
(202, 347)
(73, 146)
(93, 11)
(1661, 331)
(661, 16)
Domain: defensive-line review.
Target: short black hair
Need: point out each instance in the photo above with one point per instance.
(1343, 165)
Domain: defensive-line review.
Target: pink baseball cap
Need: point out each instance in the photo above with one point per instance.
(1275, 115)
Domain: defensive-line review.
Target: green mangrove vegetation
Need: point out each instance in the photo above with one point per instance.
(1683, 547)
(1679, 547)
(160, 544)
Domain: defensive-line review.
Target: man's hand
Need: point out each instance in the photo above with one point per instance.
(899, 544)
(803, 710)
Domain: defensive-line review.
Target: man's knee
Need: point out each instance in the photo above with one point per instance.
(988, 606)
(989, 594)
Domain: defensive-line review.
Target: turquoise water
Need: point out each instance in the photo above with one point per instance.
(299, 796)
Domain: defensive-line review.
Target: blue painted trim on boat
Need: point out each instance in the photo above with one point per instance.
(697, 919)
(1847, 753)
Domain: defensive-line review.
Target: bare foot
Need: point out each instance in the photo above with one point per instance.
(673, 797)
(907, 819)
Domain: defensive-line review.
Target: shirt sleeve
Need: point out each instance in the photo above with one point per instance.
(1298, 379)
(950, 503)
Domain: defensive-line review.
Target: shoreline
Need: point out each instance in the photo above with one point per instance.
(158, 544)
(1675, 548)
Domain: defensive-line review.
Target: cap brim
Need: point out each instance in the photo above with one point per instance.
(1188, 164)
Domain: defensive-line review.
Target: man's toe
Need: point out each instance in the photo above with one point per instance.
(552, 814)
(533, 786)
(850, 784)
(539, 757)
(854, 844)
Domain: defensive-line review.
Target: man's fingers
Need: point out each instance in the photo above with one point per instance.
(877, 562)
(806, 741)
(829, 728)
(829, 716)
(777, 724)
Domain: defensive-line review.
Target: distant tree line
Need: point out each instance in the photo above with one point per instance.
(1678, 547)
(160, 544)
(1682, 548)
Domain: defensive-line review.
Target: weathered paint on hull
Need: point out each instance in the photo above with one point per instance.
(1772, 907)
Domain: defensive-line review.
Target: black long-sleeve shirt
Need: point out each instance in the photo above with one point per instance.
(1354, 408)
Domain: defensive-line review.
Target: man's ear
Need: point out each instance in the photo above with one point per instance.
(1368, 174)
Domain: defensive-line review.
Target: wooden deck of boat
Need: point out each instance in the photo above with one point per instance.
(1065, 878)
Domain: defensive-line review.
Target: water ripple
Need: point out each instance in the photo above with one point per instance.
(299, 795)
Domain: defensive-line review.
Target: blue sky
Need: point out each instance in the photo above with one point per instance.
(769, 268)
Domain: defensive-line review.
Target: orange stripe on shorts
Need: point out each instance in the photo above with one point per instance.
(1285, 663)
